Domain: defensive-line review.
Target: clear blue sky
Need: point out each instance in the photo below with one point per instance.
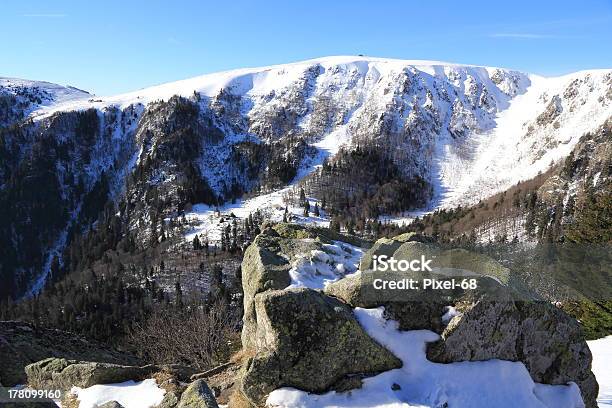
(115, 46)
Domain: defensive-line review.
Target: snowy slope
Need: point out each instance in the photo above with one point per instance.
(494, 110)
(41, 95)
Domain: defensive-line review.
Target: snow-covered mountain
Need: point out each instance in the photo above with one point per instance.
(467, 131)
(471, 130)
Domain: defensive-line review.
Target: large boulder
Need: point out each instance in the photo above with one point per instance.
(541, 336)
(23, 343)
(310, 341)
(268, 260)
(59, 373)
(411, 312)
(262, 269)
(197, 395)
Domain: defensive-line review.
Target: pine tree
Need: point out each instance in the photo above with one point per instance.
(196, 243)
(302, 196)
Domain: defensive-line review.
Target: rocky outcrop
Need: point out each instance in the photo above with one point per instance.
(23, 343)
(265, 270)
(495, 321)
(197, 395)
(267, 262)
(59, 373)
(309, 341)
(541, 336)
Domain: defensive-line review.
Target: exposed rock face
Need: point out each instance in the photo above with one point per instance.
(59, 373)
(197, 395)
(541, 336)
(267, 262)
(310, 341)
(22, 344)
(264, 270)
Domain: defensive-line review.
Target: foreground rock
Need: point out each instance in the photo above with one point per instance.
(541, 336)
(59, 373)
(197, 395)
(309, 341)
(23, 343)
(267, 262)
(495, 321)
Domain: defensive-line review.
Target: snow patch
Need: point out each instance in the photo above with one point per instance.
(322, 267)
(130, 394)
(602, 368)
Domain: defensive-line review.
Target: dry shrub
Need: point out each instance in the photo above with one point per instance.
(197, 336)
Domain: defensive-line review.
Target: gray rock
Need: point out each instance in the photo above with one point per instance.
(386, 246)
(110, 404)
(496, 321)
(171, 400)
(544, 338)
(262, 269)
(310, 341)
(64, 374)
(409, 313)
(197, 395)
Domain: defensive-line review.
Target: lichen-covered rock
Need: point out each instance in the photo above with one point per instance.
(111, 404)
(544, 338)
(310, 341)
(386, 246)
(267, 261)
(171, 400)
(262, 269)
(197, 395)
(59, 373)
(411, 313)
(495, 321)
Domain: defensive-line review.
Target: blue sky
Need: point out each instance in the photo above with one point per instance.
(115, 46)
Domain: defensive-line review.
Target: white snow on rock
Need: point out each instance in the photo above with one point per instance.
(602, 368)
(319, 268)
(130, 394)
(421, 383)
